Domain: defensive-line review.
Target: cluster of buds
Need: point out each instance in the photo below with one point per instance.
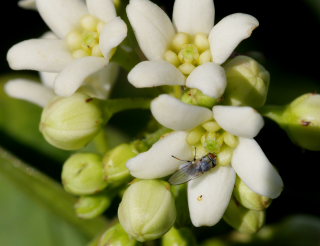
(97, 179)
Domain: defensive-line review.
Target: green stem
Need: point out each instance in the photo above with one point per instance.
(101, 142)
(46, 191)
(150, 139)
(273, 112)
(113, 106)
(131, 57)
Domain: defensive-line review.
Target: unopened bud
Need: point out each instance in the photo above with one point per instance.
(115, 161)
(243, 219)
(178, 237)
(248, 198)
(147, 209)
(88, 207)
(300, 119)
(303, 121)
(71, 122)
(82, 174)
(248, 82)
(196, 97)
(117, 236)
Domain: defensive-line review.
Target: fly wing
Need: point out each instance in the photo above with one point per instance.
(186, 173)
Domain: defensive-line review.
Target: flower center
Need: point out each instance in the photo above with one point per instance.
(84, 41)
(187, 52)
(211, 138)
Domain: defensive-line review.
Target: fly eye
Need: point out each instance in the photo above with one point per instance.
(212, 157)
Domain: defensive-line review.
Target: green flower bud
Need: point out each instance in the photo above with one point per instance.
(82, 174)
(215, 242)
(181, 237)
(196, 97)
(300, 119)
(71, 122)
(242, 219)
(115, 163)
(248, 82)
(248, 198)
(147, 209)
(116, 236)
(89, 207)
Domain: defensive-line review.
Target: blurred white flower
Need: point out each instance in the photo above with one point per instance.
(27, 4)
(228, 131)
(85, 37)
(188, 51)
(97, 85)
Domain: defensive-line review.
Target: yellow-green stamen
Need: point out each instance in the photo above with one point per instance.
(84, 41)
(187, 52)
(211, 138)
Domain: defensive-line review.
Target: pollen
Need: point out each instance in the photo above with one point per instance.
(84, 40)
(199, 198)
(186, 52)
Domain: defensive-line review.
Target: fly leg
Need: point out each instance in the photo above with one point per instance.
(179, 159)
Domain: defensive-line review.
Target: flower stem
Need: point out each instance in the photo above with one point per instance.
(49, 193)
(113, 106)
(101, 141)
(149, 139)
(273, 112)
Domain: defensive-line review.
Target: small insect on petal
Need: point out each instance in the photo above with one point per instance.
(193, 169)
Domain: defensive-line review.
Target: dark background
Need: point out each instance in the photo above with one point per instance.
(288, 41)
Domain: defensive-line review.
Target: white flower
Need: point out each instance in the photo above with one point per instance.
(97, 85)
(209, 194)
(192, 46)
(85, 38)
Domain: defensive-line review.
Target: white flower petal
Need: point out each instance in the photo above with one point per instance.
(174, 114)
(29, 90)
(73, 76)
(48, 79)
(153, 28)
(103, 9)
(99, 84)
(209, 78)
(193, 16)
(49, 35)
(27, 4)
(155, 73)
(158, 162)
(253, 167)
(228, 33)
(112, 34)
(209, 196)
(46, 55)
(240, 121)
(62, 16)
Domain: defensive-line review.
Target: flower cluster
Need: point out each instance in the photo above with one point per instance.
(208, 113)
(197, 47)
(75, 53)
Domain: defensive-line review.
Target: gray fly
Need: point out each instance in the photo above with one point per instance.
(193, 169)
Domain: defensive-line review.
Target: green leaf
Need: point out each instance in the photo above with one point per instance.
(40, 191)
(25, 222)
